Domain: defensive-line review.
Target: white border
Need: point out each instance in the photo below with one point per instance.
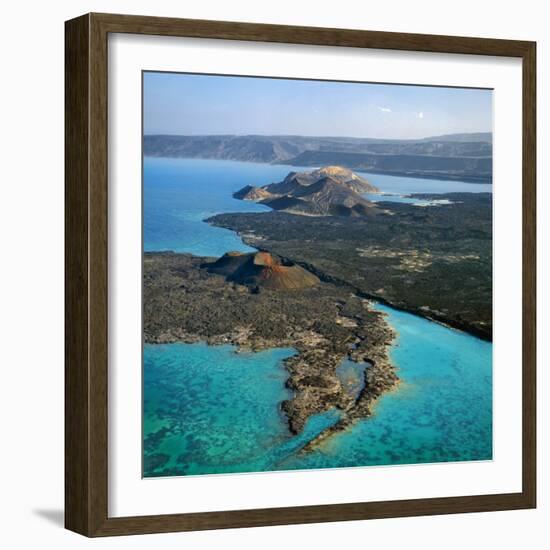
(129, 494)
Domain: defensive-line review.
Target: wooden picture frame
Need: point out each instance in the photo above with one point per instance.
(86, 360)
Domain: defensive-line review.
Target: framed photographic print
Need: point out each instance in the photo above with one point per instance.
(300, 275)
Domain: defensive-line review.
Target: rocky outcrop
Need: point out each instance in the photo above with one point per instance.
(262, 270)
(328, 191)
(251, 193)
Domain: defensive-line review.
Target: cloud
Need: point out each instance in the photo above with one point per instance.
(384, 109)
(420, 114)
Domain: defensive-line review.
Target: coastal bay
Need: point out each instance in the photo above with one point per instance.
(212, 181)
(325, 324)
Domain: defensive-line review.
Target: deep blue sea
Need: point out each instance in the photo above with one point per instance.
(209, 409)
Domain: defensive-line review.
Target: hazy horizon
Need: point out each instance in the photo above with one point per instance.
(313, 136)
(202, 105)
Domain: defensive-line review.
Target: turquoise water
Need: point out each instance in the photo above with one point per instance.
(352, 376)
(208, 409)
(178, 194)
(441, 411)
(400, 185)
(405, 199)
(211, 410)
(398, 188)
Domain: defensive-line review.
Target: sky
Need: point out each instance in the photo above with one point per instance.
(191, 104)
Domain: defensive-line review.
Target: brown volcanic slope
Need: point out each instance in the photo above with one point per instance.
(328, 191)
(262, 270)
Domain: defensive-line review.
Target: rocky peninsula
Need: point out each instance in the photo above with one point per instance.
(260, 300)
(434, 261)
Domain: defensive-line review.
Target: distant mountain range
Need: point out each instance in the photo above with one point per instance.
(466, 157)
(328, 191)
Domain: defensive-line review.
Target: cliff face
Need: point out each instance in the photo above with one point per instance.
(459, 156)
(251, 193)
(475, 169)
(328, 191)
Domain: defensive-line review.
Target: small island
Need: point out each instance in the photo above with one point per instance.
(328, 191)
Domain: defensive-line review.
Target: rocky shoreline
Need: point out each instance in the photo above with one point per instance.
(435, 262)
(184, 302)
